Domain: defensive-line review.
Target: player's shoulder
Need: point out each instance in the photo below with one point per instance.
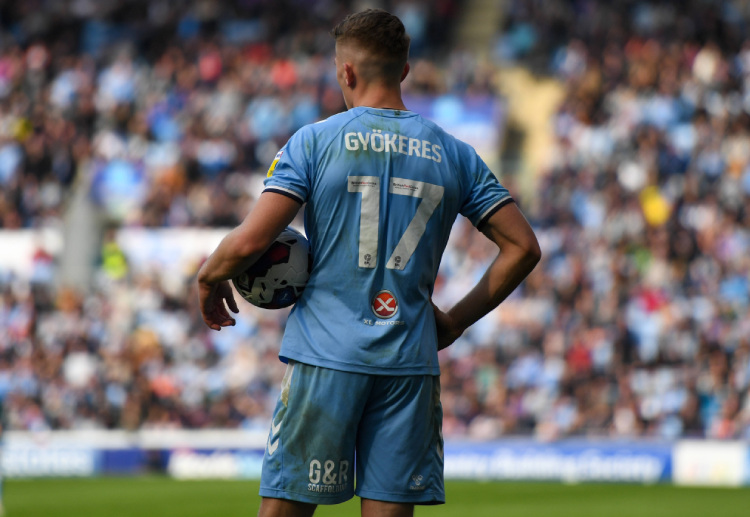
(432, 126)
(332, 124)
(457, 148)
(324, 130)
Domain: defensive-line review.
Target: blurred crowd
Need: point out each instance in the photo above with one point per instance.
(635, 323)
(164, 107)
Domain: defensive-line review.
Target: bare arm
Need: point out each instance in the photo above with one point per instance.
(518, 255)
(237, 251)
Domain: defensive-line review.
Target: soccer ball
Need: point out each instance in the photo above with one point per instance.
(279, 276)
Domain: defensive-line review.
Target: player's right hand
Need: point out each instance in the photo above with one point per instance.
(213, 309)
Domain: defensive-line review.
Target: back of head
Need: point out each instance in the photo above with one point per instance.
(381, 37)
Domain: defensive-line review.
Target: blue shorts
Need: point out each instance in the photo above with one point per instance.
(332, 427)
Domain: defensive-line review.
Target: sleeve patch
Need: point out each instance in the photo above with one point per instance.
(274, 163)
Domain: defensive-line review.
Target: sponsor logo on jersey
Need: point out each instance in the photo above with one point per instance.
(273, 163)
(384, 305)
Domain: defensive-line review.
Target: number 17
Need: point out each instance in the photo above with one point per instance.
(369, 217)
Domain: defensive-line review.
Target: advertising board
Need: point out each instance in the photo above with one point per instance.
(568, 461)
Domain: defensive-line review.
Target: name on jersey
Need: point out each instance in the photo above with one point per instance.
(380, 142)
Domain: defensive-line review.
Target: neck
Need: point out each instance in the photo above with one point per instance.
(383, 98)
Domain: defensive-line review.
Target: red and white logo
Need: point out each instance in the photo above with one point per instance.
(384, 305)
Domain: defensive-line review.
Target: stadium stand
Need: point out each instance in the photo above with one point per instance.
(634, 325)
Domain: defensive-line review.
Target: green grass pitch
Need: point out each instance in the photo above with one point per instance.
(164, 497)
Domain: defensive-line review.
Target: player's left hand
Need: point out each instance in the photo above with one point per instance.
(447, 329)
(213, 309)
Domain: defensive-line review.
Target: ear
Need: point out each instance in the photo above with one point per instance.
(350, 79)
(405, 72)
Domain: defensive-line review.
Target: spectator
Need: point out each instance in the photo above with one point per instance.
(635, 323)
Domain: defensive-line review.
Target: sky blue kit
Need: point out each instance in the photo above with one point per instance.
(382, 189)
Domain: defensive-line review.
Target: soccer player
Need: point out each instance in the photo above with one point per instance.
(382, 188)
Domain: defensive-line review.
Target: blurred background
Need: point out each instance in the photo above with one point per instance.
(135, 134)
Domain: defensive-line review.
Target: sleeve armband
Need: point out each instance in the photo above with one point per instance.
(491, 211)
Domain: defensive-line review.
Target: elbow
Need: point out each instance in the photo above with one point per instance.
(536, 252)
(532, 254)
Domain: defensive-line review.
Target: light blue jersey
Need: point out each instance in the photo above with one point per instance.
(382, 190)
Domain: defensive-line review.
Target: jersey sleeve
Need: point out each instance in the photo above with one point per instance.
(485, 195)
(289, 173)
